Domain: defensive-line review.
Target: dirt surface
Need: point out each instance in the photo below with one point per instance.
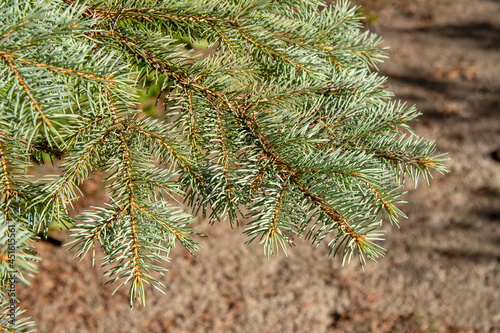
(442, 269)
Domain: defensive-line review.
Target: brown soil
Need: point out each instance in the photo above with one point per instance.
(442, 269)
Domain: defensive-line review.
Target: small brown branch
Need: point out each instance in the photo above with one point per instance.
(67, 177)
(23, 85)
(334, 215)
(156, 138)
(326, 126)
(278, 204)
(222, 141)
(5, 172)
(158, 13)
(13, 29)
(271, 52)
(128, 166)
(397, 156)
(148, 14)
(193, 131)
(382, 200)
(82, 129)
(226, 42)
(329, 30)
(108, 223)
(62, 70)
(176, 232)
(135, 249)
(131, 205)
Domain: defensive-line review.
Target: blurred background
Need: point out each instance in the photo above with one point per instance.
(442, 269)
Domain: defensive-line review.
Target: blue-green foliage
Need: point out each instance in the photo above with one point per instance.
(286, 117)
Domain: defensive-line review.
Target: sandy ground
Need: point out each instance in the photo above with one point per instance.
(442, 270)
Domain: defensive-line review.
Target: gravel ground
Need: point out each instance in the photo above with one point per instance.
(442, 269)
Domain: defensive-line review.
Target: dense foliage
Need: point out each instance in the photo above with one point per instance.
(286, 117)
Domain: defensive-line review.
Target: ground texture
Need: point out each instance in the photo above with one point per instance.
(442, 270)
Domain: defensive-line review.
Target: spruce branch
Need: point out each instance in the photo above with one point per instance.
(286, 119)
(7, 59)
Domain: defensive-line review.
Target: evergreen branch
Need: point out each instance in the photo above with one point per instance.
(250, 125)
(20, 47)
(85, 128)
(335, 63)
(21, 324)
(183, 239)
(326, 33)
(334, 215)
(5, 35)
(107, 223)
(166, 68)
(18, 257)
(299, 171)
(163, 142)
(329, 129)
(5, 173)
(6, 136)
(128, 169)
(73, 171)
(259, 176)
(277, 207)
(399, 156)
(105, 80)
(222, 141)
(157, 13)
(25, 88)
(224, 161)
(392, 211)
(287, 95)
(193, 132)
(315, 47)
(7, 329)
(382, 200)
(147, 13)
(287, 119)
(274, 235)
(321, 50)
(137, 276)
(158, 64)
(181, 77)
(87, 12)
(268, 50)
(215, 27)
(286, 171)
